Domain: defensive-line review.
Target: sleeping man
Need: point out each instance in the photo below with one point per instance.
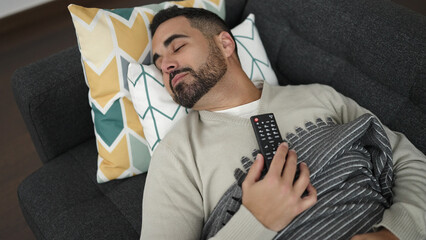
(356, 178)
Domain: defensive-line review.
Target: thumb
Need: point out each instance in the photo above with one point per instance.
(255, 171)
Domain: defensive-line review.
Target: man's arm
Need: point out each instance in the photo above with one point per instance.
(173, 208)
(173, 204)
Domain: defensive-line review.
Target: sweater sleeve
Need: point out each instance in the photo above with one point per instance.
(406, 218)
(173, 204)
(243, 225)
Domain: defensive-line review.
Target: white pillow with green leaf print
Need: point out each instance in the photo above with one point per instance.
(251, 52)
(155, 107)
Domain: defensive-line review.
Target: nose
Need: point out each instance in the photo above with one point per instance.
(168, 64)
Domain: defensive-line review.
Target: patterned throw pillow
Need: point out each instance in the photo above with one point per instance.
(155, 107)
(251, 52)
(108, 41)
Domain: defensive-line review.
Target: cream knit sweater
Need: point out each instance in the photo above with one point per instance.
(194, 165)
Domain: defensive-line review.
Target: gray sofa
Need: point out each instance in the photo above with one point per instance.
(373, 51)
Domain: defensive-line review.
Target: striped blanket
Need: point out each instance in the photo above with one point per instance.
(351, 168)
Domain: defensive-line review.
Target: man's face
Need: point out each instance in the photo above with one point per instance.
(190, 63)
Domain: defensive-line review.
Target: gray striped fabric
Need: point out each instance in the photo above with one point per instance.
(351, 168)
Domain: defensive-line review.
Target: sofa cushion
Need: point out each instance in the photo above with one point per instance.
(125, 194)
(108, 41)
(63, 200)
(371, 51)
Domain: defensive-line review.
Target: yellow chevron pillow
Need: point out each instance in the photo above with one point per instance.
(108, 41)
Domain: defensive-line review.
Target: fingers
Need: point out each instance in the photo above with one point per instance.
(255, 171)
(311, 198)
(287, 159)
(304, 179)
(290, 167)
(274, 201)
(279, 160)
(284, 166)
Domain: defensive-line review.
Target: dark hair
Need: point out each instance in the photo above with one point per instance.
(208, 23)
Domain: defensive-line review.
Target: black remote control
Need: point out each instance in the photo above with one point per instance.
(269, 138)
(267, 134)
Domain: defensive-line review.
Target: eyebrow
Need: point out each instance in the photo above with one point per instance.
(167, 43)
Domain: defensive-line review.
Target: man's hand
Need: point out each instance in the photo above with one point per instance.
(383, 234)
(275, 200)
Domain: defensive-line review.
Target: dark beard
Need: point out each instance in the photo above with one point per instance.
(205, 78)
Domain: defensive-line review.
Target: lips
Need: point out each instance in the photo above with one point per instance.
(175, 78)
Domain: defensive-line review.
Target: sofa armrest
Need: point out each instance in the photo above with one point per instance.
(53, 99)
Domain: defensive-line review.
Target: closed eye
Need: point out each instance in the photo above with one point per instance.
(177, 49)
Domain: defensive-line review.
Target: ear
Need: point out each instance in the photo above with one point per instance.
(227, 43)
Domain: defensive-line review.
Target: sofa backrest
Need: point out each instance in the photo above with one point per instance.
(371, 51)
(52, 97)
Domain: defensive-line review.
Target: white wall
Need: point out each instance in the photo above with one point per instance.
(9, 7)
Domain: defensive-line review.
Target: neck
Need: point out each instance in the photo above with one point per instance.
(232, 91)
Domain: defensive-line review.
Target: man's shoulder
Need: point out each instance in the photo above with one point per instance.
(303, 90)
(304, 87)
